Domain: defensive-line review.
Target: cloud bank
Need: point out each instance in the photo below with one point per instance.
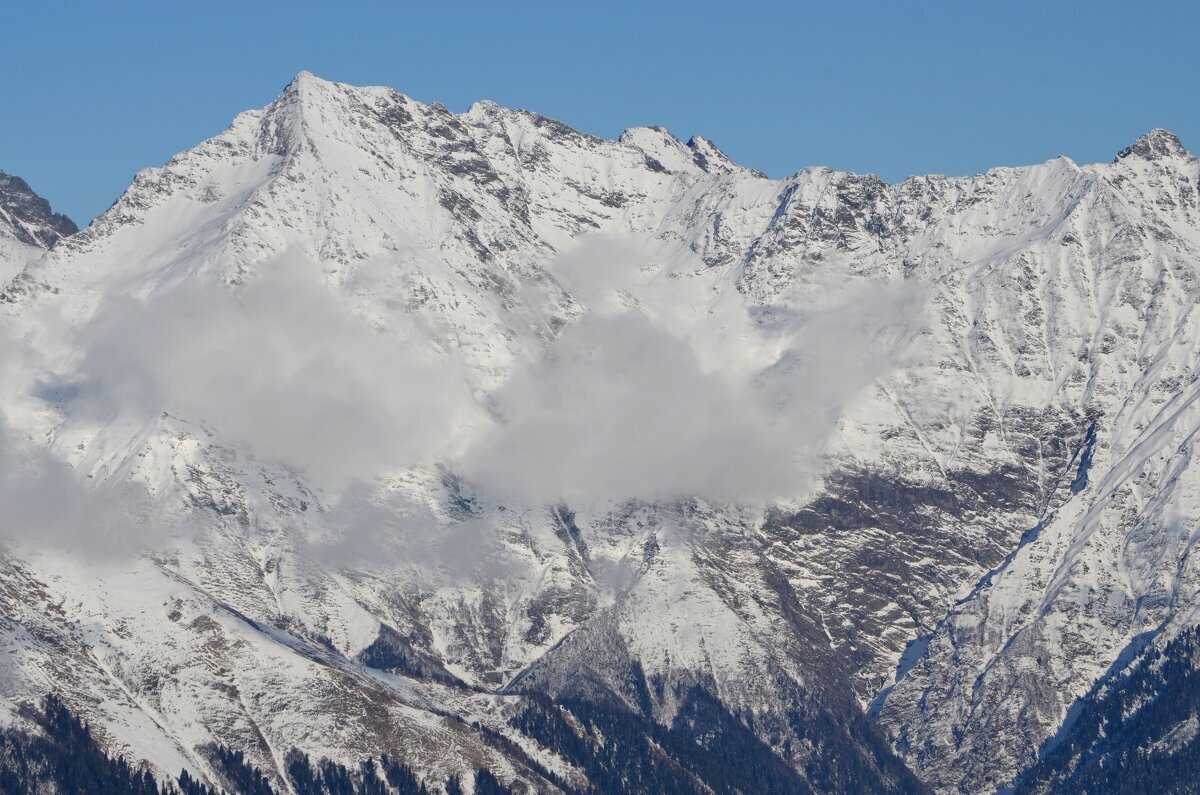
(628, 405)
(643, 397)
(279, 367)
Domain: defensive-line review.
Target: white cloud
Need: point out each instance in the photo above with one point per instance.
(644, 399)
(641, 398)
(278, 366)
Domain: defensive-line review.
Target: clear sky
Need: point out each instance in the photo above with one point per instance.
(94, 91)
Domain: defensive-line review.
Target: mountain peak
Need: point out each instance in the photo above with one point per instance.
(306, 87)
(305, 79)
(709, 157)
(483, 107)
(1154, 145)
(27, 217)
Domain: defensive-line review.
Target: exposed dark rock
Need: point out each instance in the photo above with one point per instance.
(28, 216)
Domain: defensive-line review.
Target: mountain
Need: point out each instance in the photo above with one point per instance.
(27, 225)
(27, 217)
(366, 427)
(1135, 732)
(1107, 565)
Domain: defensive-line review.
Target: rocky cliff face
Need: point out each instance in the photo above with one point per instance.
(981, 387)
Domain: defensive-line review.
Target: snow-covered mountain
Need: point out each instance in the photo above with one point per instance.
(364, 426)
(27, 225)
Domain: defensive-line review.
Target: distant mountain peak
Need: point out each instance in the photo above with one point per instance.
(1154, 145)
(305, 79)
(27, 217)
(710, 157)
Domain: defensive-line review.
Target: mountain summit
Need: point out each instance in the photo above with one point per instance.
(1154, 145)
(27, 225)
(27, 217)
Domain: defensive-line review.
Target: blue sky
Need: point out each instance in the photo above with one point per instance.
(95, 91)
